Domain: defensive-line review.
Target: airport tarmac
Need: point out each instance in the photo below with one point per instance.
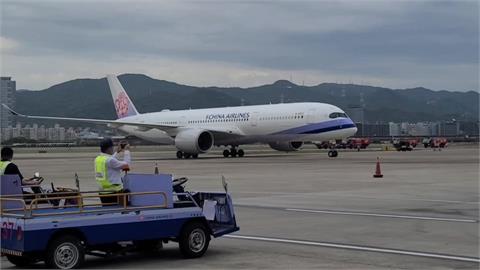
(304, 210)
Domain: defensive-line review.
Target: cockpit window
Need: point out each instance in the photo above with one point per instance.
(338, 114)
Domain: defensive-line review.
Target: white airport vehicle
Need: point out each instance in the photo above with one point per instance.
(285, 127)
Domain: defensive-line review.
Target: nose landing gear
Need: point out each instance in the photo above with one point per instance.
(332, 153)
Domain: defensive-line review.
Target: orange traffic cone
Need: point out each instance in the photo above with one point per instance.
(378, 172)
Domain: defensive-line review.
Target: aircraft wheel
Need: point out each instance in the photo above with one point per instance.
(179, 154)
(332, 153)
(226, 153)
(233, 153)
(186, 156)
(194, 155)
(241, 153)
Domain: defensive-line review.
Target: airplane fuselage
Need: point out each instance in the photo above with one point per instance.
(251, 124)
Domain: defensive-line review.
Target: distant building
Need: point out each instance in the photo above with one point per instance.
(7, 96)
(451, 128)
(395, 129)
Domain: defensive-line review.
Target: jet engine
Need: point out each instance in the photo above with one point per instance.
(194, 141)
(286, 146)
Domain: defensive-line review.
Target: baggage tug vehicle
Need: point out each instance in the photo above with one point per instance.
(61, 228)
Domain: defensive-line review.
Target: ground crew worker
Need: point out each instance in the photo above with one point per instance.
(7, 167)
(108, 169)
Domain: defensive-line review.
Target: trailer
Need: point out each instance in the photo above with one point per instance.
(148, 215)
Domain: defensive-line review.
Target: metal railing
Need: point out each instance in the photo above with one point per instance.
(34, 206)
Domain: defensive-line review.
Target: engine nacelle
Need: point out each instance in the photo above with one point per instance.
(194, 141)
(286, 146)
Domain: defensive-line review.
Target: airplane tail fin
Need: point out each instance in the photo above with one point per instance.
(123, 105)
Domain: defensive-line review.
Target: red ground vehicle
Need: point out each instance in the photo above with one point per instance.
(352, 143)
(361, 143)
(435, 142)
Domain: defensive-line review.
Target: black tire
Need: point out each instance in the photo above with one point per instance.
(179, 154)
(194, 240)
(194, 155)
(226, 153)
(335, 154)
(186, 156)
(65, 252)
(241, 153)
(21, 261)
(330, 153)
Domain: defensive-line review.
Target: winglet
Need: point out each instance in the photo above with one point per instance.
(11, 110)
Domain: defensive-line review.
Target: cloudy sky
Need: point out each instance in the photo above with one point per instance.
(397, 44)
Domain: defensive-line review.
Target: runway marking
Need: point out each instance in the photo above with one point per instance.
(381, 215)
(287, 194)
(357, 247)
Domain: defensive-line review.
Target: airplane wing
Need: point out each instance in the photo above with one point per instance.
(112, 123)
(172, 130)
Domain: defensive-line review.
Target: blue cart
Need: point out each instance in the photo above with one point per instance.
(61, 234)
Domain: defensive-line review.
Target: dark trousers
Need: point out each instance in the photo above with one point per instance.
(111, 199)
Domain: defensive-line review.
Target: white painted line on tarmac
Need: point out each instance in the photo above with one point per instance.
(357, 247)
(381, 215)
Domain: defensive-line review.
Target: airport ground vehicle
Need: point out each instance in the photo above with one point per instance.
(404, 144)
(147, 216)
(351, 143)
(435, 142)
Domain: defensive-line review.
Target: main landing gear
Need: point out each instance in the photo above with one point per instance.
(233, 152)
(184, 155)
(332, 153)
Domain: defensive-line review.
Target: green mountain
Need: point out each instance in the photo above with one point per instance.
(90, 98)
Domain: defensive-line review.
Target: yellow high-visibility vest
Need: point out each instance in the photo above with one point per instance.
(102, 178)
(3, 166)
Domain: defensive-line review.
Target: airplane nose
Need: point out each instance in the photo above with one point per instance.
(354, 129)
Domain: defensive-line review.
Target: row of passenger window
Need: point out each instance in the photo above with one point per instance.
(282, 117)
(218, 120)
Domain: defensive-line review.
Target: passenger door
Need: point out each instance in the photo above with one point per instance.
(311, 116)
(254, 119)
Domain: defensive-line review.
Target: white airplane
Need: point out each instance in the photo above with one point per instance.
(285, 127)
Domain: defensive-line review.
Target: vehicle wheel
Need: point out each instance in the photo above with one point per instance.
(65, 252)
(194, 155)
(179, 154)
(233, 153)
(186, 156)
(335, 153)
(21, 261)
(226, 153)
(194, 240)
(330, 153)
(241, 153)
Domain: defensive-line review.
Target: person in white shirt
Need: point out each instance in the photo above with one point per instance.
(108, 169)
